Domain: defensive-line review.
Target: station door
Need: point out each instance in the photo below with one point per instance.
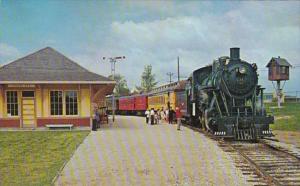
(28, 109)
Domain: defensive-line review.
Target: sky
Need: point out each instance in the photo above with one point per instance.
(154, 32)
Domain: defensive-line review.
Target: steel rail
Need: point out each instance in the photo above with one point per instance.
(269, 177)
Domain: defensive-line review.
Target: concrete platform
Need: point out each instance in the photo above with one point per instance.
(132, 153)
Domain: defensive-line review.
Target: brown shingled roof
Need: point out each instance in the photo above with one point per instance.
(48, 65)
(279, 61)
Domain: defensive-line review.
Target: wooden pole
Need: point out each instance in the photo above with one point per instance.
(278, 94)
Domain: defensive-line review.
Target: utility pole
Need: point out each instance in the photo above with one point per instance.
(278, 94)
(113, 61)
(178, 74)
(170, 74)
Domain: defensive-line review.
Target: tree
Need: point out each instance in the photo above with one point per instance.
(147, 80)
(121, 88)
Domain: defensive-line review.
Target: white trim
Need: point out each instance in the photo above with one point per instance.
(57, 82)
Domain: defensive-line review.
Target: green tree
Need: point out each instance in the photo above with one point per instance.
(147, 80)
(121, 88)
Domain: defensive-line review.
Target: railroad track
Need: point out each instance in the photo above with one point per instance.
(262, 163)
(277, 167)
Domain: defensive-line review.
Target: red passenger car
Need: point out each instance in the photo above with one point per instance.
(140, 103)
(126, 103)
(136, 104)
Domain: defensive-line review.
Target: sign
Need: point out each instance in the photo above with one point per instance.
(20, 86)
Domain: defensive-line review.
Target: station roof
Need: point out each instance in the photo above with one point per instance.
(48, 66)
(279, 61)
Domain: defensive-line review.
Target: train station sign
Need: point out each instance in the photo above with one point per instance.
(21, 86)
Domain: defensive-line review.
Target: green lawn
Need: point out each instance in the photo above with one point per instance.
(287, 118)
(35, 157)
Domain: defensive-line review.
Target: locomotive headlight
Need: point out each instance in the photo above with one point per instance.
(242, 70)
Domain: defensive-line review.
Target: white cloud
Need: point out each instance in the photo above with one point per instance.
(7, 51)
(260, 29)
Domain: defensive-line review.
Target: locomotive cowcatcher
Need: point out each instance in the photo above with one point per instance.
(225, 99)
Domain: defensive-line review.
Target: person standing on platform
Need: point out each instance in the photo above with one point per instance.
(147, 113)
(152, 116)
(178, 117)
(170, 115)
(167, 115)
(96, 120)
(162, 114)
(156, 116)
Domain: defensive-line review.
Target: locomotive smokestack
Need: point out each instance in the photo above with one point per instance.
(235, 53)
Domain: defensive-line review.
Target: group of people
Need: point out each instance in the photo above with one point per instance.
(156, 116)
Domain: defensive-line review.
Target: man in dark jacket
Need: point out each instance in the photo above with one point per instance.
(170, 116)
(152, 116)
(96, 120)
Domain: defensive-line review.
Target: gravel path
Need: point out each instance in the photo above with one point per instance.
(290, 137)
(133, 153)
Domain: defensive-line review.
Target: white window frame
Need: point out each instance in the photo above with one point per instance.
(77, 103)
(62, 102)
(6, 97)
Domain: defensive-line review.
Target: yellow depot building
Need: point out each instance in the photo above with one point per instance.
(47, 88)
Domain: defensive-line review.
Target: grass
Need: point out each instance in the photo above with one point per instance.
(287, 118)
(35, 157)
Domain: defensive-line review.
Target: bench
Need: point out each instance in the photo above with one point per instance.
(59, 126)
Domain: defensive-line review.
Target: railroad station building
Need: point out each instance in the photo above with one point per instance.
(47, 88)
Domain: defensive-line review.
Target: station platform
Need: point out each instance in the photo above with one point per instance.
(131, 152)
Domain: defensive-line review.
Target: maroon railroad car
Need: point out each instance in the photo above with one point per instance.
(181, 102)
(181, 97)
(126, 103)
(141, 103)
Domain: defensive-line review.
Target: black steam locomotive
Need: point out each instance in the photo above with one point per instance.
(225, 99)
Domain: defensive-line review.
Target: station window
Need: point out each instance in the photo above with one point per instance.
(71, 103)
(56, 103)
(28, 94)
(12, 103)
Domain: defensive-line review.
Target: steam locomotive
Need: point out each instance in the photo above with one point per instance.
(225, 99)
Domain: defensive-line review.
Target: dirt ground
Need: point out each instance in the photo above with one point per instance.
(290, 137)
(131, 152)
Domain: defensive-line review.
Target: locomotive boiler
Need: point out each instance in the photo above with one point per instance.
(225, 99)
